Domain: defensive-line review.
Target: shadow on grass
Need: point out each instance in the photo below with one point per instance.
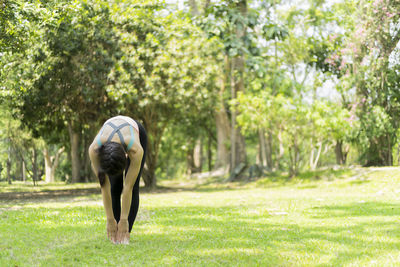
(359, 182)
(46, 194)
(55, 194)
(358, 209)
(272, 180)
(215, 184)
(327, 174)
(202, 236)
(304, 180)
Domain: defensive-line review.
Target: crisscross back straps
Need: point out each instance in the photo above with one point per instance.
(117, 130)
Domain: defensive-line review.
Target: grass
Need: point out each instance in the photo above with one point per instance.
(331, 218)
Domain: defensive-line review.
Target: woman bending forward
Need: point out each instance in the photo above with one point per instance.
(117, 154)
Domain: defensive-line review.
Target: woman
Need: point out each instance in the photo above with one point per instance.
(119, 146)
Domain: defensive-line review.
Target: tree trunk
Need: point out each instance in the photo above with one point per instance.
(86, 163)
(340, 156)
(233, 127)
(398, 154)
(209, 153)
(190, 166)
(75, 155)
(51, 164)
(238, 147)
(8, 166)
(265, 148)
(314, 160)
(198, 156)
(193, 8)
(258, 155)
(262, 146)
(34, 166)
(56, 162)
(154, 134)
(294, 157)
(297, 156)
(18, 168)
(223, 128)
(281, 149)
(47, 166)
(389, 151)
(149, 176)
(194, 158)
(291, 162)
(312, 154)
(23, 171)
(268, 147)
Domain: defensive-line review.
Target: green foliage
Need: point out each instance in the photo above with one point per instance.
(63, 69)
(222, 20)
(70, 53)
(331, 121)
(375, 130)
(166, 74)
(17, 145)
(320, 121)
(73, 68)
(70, 65)
(163, 72)
(371, 65)
(16, 19)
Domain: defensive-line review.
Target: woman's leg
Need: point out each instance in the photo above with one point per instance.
(135, 193)
(134, 204)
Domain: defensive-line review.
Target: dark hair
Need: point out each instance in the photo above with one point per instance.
(113, 160)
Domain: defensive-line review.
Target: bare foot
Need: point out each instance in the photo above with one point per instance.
(123, 232)
(112, 230)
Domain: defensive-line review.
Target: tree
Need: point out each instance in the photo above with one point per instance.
(73, 54)
(332, 125)
(19, 147)
(51, 163)
(230, 21)
(370, 64)
(163, 75)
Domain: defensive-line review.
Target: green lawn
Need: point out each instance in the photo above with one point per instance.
(342, 218)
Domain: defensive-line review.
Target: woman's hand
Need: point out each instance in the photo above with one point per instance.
(112, 230)
(123, 232)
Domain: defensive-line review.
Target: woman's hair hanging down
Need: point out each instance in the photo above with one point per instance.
(113, 160)
(102, 177)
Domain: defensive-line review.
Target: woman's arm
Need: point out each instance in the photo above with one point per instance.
(135, 155)
(106, 195)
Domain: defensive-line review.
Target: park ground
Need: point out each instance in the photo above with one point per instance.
(345, 217)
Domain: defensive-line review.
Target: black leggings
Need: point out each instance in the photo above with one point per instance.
(117, 184)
